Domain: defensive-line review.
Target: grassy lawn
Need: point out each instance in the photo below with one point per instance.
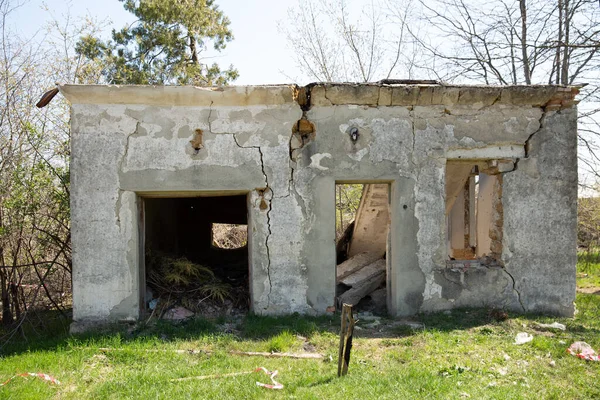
(462, 354)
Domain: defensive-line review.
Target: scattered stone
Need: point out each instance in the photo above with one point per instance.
(373, 324)
(523, 337)
(178, 314)
(367, 316)
(309, 348)
(554, 325)
(552, 363)
(412, 324)
(506, 357)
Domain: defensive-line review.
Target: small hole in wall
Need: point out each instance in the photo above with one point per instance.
(196, 142)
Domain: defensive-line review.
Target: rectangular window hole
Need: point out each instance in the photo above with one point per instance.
(229, 236)
(474, 213)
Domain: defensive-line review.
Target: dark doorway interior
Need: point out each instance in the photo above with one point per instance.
(184, 258)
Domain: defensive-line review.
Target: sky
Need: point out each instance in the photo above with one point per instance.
(258, 51)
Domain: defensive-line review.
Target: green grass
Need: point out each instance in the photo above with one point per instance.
(588, 269)
(464, 354)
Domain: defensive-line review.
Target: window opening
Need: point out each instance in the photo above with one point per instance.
(229, 236)
(474, 214)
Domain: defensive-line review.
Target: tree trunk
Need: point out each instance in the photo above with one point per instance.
(557, 62)
(193, 48)
(7, 317)
(526, 67)
(565, 58)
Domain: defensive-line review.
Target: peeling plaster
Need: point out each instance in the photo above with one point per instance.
(432, 289)
(315, 161)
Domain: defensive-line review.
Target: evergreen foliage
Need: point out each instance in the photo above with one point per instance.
(164, 45)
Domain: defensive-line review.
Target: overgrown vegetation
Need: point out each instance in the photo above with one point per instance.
(178, 280)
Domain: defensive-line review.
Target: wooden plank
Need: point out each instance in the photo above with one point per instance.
(314, 356)
(346, 333)
(342, 339)
(355, 294)
(348, 344)
(365, 273)
(355, 263)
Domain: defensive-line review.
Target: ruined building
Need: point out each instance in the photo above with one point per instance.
(480, 183)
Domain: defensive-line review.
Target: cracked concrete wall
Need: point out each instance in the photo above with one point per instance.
(131, 142)
(540, 218)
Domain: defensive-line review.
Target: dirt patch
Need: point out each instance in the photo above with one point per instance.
(589, 290)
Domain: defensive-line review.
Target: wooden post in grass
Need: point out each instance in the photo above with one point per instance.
(345, 339)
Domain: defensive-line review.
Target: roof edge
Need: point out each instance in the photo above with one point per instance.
(326, 94)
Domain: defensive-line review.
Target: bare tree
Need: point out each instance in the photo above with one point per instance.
(519, 42)
(35, 249)
(338, 40)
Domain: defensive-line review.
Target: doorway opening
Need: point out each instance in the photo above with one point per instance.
(362, 240)
(196, 256)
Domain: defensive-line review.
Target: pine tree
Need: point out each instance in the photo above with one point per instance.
(164, 45)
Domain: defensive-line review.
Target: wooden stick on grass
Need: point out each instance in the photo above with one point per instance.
(345, 339)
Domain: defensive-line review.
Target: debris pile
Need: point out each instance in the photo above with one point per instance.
(360, 276)
(178, 289)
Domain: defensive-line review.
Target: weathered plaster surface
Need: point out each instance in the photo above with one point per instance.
(129, 142)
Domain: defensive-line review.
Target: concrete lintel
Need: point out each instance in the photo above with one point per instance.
(180, 95)
(487, 153)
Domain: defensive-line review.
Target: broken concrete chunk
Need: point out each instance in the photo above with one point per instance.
(523, 337)
(178, 314)
(554, 325)
(365, 273)
(354, 295)
(356, 262)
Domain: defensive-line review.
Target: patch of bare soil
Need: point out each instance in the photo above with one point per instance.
(589, 290)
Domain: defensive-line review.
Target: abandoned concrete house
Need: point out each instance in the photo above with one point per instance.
(469, 199)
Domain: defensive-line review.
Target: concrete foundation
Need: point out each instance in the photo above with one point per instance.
(285, 147)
